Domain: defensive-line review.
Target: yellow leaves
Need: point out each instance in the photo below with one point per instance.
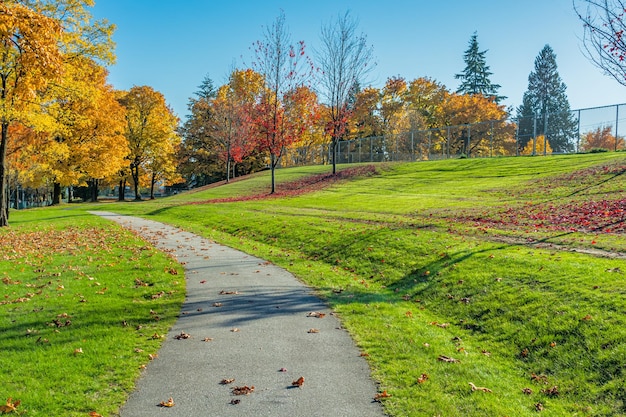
(537, 147)
(168, 403)
(10, 406)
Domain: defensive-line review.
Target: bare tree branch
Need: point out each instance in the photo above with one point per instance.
(604, 36)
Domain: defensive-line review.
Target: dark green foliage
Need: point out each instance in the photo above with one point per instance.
(545, 109)
(475, 76)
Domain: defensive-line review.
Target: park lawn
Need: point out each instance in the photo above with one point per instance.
(422, 269)
(83, 305)
(444, 280)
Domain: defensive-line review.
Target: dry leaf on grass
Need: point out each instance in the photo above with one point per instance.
(423, 378)
(444, 358)
(381, 395)
(475, 388)
(10, 406)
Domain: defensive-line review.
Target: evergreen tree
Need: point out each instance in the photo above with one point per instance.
(545, 109)
(475, 76)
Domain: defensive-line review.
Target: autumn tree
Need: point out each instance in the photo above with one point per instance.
(602, 138)
(233, 110)
(149, 124)
(29, 59)
(475, 78)
(604, 38)
(38, 39)
(303, 109)
(538, 146)
(393, 106)
(480, 125)
(545, 109)
(284, 67)
(365, 120)
(86, 143)
(345, 59)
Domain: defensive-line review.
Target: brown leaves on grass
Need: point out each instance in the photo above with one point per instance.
(10, 406)
(381, 395)
(423, 378)
(444, 358)
(243, 390)
(475, 388)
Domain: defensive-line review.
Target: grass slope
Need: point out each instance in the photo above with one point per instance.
(454, 272)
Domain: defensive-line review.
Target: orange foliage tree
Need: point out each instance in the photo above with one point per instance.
(602, 138)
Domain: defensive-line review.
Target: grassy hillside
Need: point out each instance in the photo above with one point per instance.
(503, 273)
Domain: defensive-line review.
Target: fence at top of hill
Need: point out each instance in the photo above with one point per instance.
(577, 131)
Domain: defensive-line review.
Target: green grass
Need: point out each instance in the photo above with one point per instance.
(76, 326)
(413, 275)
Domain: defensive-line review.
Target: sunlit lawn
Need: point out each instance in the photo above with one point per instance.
(436, 290)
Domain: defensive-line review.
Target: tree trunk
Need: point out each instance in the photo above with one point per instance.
(94, 190)
(272, 166)
(56, 194)
(333, 145)
(4, 198)
(134, 172)
(121, 190)
(152, 181)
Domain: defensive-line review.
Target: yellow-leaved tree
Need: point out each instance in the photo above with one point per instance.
(29, 59)
(88, 142)
(151, 134)
(538, 147)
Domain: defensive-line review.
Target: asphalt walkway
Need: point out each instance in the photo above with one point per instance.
(250, 321)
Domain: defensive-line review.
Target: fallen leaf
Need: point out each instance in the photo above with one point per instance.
(217, 304)
(527, 391)
(282, 370)
(552, 392)
(94, 414)
(539, 407)
(381, 395)
(227, 381)
(423, 378)
(243, 390)
(364, 354)
(475, 388)
(587, 317)
(182, 335)
(229, 292)
(316, 314)
(168, 403)
(78, 351)
(313, 331)
(234, 329)
(298, 382)
(444, 358)
(10, 406)
(235, 401)
(207, 339)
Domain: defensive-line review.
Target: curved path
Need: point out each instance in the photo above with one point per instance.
(260, 337)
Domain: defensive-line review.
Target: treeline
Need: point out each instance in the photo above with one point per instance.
(61, 123)
(64, 127)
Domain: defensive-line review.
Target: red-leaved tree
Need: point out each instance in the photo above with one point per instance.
(285, 67)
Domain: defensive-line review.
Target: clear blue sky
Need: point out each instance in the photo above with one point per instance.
(171, 46)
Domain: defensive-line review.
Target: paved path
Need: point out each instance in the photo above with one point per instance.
(271, 348)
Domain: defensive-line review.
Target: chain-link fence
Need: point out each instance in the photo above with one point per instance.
(577, 131)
